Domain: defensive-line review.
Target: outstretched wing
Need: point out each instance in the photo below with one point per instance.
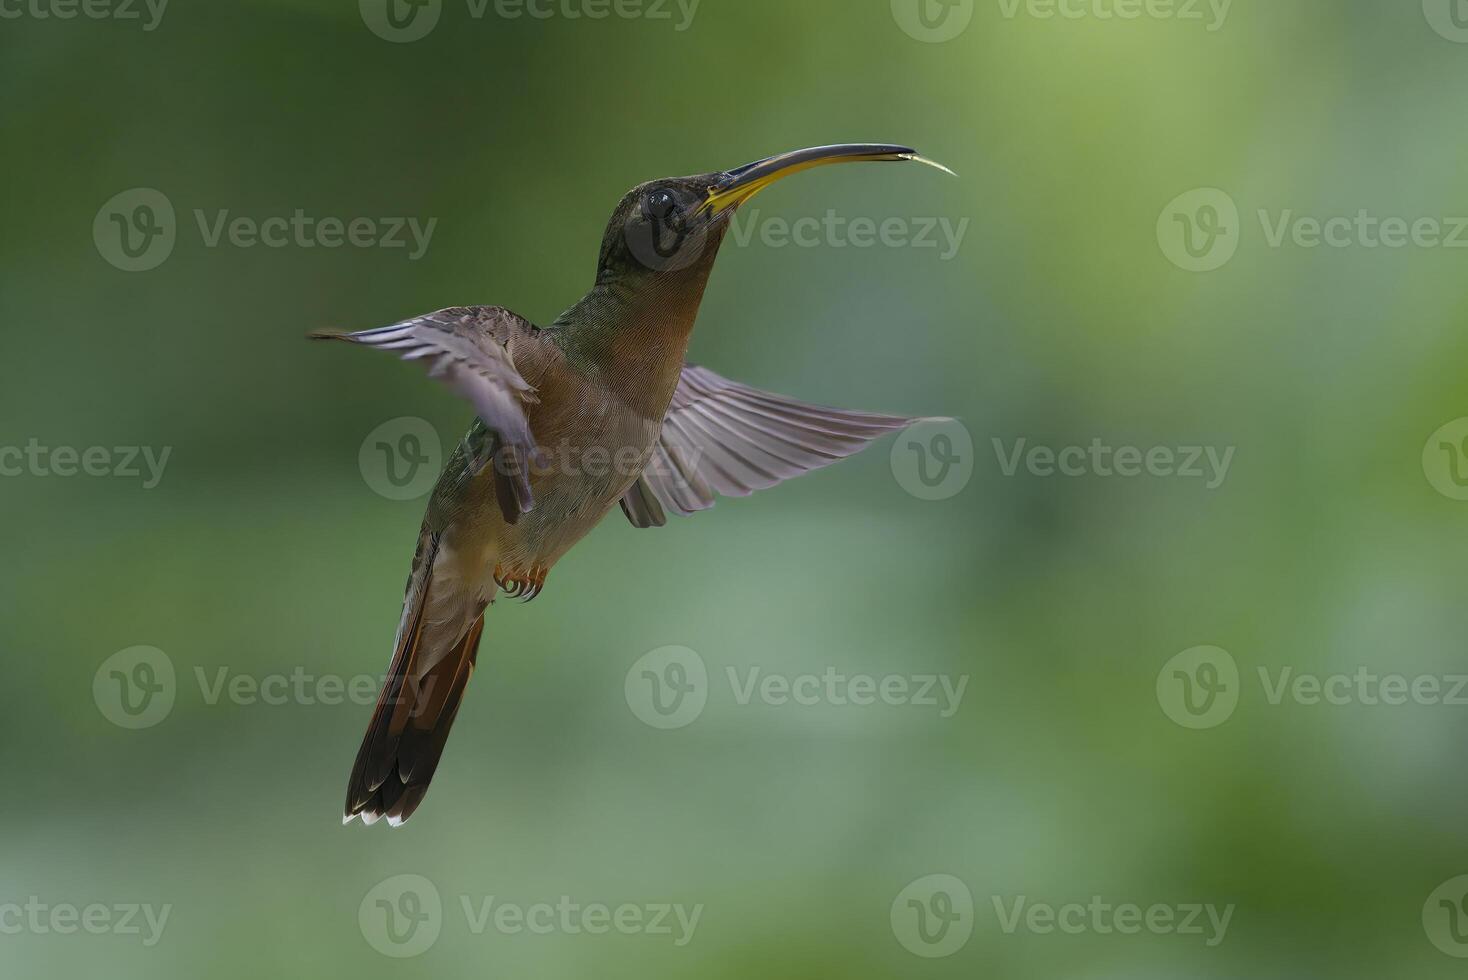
(465, 347)
(722, 437)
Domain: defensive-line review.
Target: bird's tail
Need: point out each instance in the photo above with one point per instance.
(425, 683)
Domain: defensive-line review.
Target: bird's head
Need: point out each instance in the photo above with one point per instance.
(669, 231)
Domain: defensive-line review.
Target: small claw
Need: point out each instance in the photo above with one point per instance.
(524, 587)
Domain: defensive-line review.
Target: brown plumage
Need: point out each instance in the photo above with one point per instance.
(597, 409)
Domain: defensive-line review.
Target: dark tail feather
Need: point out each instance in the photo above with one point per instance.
(411, 722)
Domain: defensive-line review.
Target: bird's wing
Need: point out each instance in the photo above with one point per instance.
(470, 350)
(722, 437)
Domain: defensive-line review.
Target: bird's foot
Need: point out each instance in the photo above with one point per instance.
(521, 585)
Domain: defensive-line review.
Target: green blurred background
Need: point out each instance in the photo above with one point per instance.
(1061, 320)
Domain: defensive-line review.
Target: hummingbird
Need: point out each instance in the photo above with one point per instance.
(596, 410)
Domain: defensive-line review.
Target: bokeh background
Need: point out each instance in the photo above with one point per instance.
(1062, 319)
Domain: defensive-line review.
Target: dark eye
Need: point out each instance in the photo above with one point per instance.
(660, 204)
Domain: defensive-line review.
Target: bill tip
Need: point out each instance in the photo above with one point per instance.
(919, 158)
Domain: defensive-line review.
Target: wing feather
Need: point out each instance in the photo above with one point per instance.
(465, 348)
(722, 437)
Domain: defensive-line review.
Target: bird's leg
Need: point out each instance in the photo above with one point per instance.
(517, 585)
(537, 582)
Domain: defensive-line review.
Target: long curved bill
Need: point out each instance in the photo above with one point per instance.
(745, 182)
